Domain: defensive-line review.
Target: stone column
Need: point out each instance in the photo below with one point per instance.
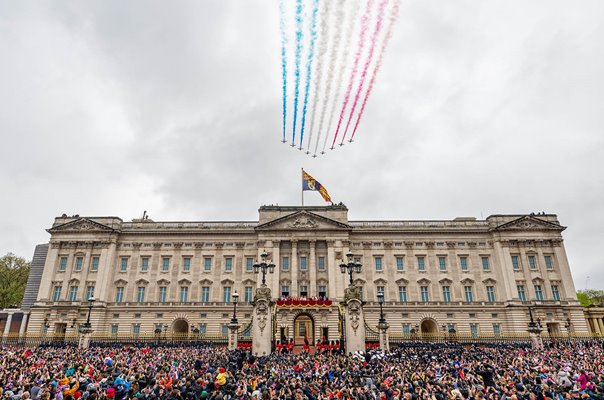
(332, 270)
(276, 258)
(313, 269)
(9, 321)
(262, 322)
(354, 320)
(384, 339)
(233, 333)
(294, 266)
(600, 325)
(23, 323)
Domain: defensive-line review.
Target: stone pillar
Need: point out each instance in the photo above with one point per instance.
(85, 336)
(233, 333)
(276, 258)
(332, 270)
(354, 320)
(600, 325)
(262, 327)
(312, 264)
(294, 272)
(535, 335)
(9, 321)
(384, 339)
(23, 323)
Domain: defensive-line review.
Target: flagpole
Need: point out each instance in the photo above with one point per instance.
(302, 187)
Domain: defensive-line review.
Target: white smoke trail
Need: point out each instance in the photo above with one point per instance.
(352, 19)
(322, 49)
(331, 66)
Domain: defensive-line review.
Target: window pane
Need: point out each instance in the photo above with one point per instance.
(532, 262)
(378, 263)
(145, 264)
(228, 264)
(463, 262)
(205, 294)
(421, 263)
(321, 263)
(400, 263)
(165, 264)
(95, 264)
(515, 262)
(485, 263)
(442, 263)
(124, 265)
(303, 265)
(226, 294)
(548, 262)
(207, 264)
(249, 264)
(79, 263)
(285, 263)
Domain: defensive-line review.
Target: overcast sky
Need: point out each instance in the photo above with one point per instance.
(482, 107)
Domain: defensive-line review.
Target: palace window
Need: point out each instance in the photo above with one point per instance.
(203, 329)
(248, 294)
(303, 291)
(538, 293)
(226, 294)
(303, 264)
(407, 329)
(442, 263)
(468, 294)
(136, 329)
(402, 294)
(491, 294)
(400, 263)
(95, 264)
(555, 292)
(163, 290)
(249, 264)
(285, 263)
(165, 264)
(186, 264)
(425, 294)
(228, 264)
(124, 264)
(496, 330)
(378, 264)
(521, 292)
(140, 294)
(447, 294)
(532, 262)
(119, 294)
(89, 292)
(486, 265)
(322, 291)
(73, 293)
(56, 295)
(284, 291)
(79, 263)
(321, 263)
(207, 264)
(145, 264)
(516, 262)
(184, 294)
(63, 263)
(114, 329)
(548, 262)
(205, 294)
(463, 263)
(421, 263)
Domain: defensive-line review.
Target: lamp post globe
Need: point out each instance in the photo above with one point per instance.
(235, 301)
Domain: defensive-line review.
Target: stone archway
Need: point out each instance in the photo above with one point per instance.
(304, 326)
(180, 327)
(428, 327)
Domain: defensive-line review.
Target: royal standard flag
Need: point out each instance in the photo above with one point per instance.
(310, 183)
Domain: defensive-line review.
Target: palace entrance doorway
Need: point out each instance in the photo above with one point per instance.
(180, 327)
(428, 327)
(304, 327)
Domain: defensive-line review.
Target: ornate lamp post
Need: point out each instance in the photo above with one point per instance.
(235, 301)
(382, 324)
(350, 267)
(264, 266)
(86, 327)
(234, 324)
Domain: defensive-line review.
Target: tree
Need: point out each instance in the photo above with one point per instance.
(14, 272)
(591, 297)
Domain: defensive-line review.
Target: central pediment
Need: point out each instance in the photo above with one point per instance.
(303, 220)
(529, 223)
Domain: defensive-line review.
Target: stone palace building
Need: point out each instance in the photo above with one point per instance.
(474, 276)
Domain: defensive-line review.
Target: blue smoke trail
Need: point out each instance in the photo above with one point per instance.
(299, 7)
(311, 56)
(283, 61)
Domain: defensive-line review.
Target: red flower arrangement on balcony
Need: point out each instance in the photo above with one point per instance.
(303, 302)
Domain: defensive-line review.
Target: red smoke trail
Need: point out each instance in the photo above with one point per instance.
(364, 23)
(374, 37)
(357, 57)
(393, 17)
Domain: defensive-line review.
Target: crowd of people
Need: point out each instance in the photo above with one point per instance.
(571, 370)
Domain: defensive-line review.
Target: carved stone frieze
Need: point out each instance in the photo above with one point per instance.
(303, 222)
(354, 313)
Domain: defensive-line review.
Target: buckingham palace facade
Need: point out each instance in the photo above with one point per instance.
(473, 276)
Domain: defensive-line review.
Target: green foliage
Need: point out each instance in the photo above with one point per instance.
(591, 297)
(13, 278)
